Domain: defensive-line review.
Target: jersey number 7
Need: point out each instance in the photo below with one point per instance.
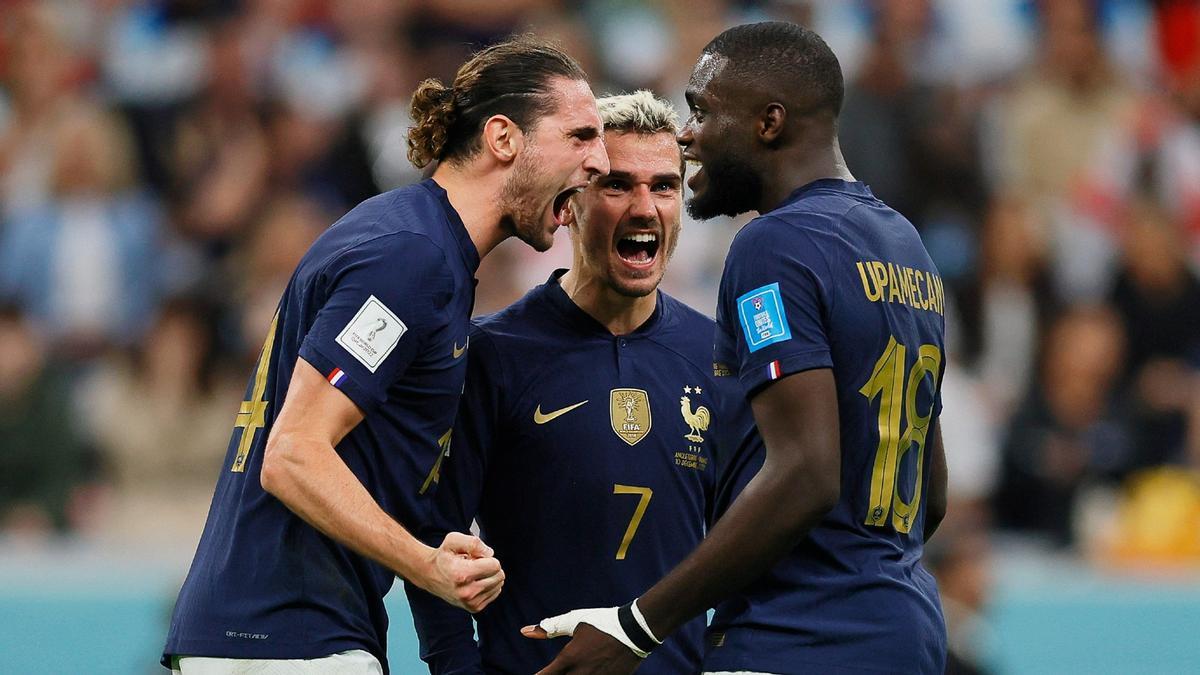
(887, 382)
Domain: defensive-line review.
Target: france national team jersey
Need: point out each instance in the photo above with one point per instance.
(834, 278)
(381, 306)
(590, 462)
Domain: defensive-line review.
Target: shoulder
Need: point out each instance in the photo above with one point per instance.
(388, 234)
(689, 334)
(517, 326)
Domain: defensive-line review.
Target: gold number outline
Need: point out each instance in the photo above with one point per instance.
(252, 415)
(887, 381)
(645, 494)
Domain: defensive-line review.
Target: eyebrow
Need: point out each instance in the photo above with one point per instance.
(625, 175)
(585, 133)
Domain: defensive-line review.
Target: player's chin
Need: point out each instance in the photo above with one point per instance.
(636, 283)
(540, 235)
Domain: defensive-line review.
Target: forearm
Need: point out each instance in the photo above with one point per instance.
(309, 477)
(768, 519)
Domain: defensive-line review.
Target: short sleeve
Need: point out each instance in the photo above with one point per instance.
(383, 299)
(774, 304)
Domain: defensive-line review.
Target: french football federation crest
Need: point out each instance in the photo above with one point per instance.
(697, 420)
(629, 411)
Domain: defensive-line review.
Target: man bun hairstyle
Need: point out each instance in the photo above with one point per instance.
(432, 114)
(512, 78)
(786, 58)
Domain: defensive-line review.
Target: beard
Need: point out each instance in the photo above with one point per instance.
(733, 188)
(520, 213)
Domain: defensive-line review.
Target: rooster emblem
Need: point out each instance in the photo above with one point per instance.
(698, 420)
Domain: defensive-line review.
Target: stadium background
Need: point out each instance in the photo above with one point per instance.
(163, 165)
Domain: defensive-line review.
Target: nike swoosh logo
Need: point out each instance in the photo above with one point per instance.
(541, 418)
(459, 352)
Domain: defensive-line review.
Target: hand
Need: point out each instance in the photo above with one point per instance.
(590, 652)
(463, 572)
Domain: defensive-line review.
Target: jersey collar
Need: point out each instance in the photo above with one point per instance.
(454, 222)
(552, 291)
(836, 184)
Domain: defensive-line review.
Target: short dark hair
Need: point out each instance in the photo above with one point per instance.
(511, 78)
(783, 57)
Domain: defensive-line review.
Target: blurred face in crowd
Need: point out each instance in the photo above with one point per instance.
(560, 154)
(724, 180)
(1083, 353)
(625, 225)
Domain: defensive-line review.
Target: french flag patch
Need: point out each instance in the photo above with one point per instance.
(773, 370)
(337, 377)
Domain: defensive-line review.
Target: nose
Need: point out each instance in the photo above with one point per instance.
(641, 206)
(684, 138)
(595, 163)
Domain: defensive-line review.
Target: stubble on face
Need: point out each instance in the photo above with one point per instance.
(733, 188)
(733, 185)
(521, 214)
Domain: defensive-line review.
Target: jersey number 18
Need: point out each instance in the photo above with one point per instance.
(888, 383)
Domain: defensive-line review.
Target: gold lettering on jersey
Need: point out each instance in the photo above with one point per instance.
(252, 415)
(722, 370)
(629, 411)
(889, 282)
(692, 459)
(698, 420)
(435, 474)
(873, 290)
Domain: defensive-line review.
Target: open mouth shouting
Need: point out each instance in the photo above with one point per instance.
(638, 249)
(560, 202)
(694, 168)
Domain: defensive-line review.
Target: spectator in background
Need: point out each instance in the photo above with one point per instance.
(912, 133)
(38, 74)
(1013, 300)
(1158, 299)
(221, 155)
(1051, 129)
(961, 560)
(266, 260)
(84, 264)
(159, 415)
(43, 460)
(1068, 431)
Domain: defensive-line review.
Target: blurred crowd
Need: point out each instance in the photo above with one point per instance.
(164, 164)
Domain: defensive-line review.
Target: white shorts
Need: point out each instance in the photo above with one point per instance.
(353, 662)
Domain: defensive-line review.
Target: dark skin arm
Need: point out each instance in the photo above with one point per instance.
(938, 478)
(800, 481)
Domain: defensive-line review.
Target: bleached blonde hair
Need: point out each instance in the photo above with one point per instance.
(640, 112)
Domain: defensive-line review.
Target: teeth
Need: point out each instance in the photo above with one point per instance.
(641, 238)
(695, 164)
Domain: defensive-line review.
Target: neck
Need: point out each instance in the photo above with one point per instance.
(801, 168)
(620, 314)
(474, 194)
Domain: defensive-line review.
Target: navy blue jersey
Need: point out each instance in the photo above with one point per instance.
(834, 278)
(381, 306)
(590, 462)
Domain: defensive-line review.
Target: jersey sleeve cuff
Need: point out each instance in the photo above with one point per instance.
(339, 378)
(754, 377)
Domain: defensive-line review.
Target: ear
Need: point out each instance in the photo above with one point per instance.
(770, 123)
(502, 138)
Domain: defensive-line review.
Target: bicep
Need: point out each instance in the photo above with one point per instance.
(314, 409)
(797, 417)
